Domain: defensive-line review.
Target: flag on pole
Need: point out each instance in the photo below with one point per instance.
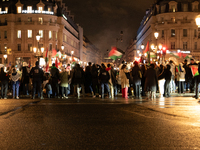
(147, 48)
(47, 60)
(114, 54)
(54, 52)
(56, 62)
(194, 69)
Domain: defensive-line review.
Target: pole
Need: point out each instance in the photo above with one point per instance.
(38, 53)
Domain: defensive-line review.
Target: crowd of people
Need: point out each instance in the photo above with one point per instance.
(104, 81)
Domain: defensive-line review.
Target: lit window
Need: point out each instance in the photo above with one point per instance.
(0, 9)
(49, 9)
(195, 45)
(41, 33)
(19, 9)
(29, 19)
(173, 33)
(19, 33)
(29, 9)
(185, 7)
(29, 33)
(50, 34)
(40, 9)
(40, 20)
(30, 47)
(6, 9)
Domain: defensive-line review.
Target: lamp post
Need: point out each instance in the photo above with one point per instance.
(156, 34)
(5, 57)
(72, 52)
(37, 50)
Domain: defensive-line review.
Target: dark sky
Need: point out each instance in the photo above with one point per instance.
(103, 20)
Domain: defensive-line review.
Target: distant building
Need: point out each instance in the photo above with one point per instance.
(175, 23)
(22, 20)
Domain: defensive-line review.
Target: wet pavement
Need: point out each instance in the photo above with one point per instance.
(94, 123)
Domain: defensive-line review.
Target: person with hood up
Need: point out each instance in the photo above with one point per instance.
(180, 78)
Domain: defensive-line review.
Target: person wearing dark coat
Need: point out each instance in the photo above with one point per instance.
(197, 83)
(95, 83)
(104, 80)
(187, 75)
(168, 76)
(192, 80)
(137, 76)
(143, 70)
(88, 79)
(4, 78)
(55, 77)
(151, 82)
(25, 80)
(78, 80)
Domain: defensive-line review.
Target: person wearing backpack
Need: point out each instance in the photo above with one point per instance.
(137, 76)
(104, 80)
(78, 80)
(55, 78)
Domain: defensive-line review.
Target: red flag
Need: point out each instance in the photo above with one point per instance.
(194, 69)
(147, 48)
(54, 52)
(29, 63)
(47, 59)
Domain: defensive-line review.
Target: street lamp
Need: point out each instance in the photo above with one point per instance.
(156, 34)
(198, 21)
(72, 52)
(62, 47)
(42, 50)
(5, 57)
(37, 53)
(142, 46)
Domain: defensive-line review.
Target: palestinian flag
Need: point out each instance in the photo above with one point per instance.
(175, 54)
(194, 69)
(147, 49)
(47, 59)
(56, 62)
(54, 52)
(114, 54)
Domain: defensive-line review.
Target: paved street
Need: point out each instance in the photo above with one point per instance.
(87, 123)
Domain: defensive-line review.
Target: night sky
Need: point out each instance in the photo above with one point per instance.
(103, 20)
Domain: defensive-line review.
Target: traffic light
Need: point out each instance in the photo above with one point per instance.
(164, 50)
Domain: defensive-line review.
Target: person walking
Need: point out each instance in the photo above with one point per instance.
(15, 77)
(181, 78)
(4, 78)
(78, 80)
(137, 76)
(54, 80)
(124, 81)
(104, 80)
(37, 80)
(151, 82)
(168, 75)
(161, 80)
(197, 83)
(64, 83)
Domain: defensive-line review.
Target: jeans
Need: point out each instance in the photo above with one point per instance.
(167, 88)
(15, 86)
(55, 87)
(37, 84)
(137, 90)
(102, 88)
(4, 84)
(78, 87)
(172, 84)
(180, 86)
(64, 91)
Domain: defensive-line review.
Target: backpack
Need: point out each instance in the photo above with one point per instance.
(78, 73)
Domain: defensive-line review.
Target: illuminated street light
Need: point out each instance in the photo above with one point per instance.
(34, 49)
(5, 56)
(42, 50)
(62, 47)
(152, 46)
(160, 47)
(156, 34)
(198, 21)
(142, 46)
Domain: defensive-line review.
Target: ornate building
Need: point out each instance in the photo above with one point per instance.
(22, 20)
(175, 23)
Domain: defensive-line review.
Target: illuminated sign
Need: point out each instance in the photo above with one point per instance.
(3, 12)
(64, 17)
(37, 12)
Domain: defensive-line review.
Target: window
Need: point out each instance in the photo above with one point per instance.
(40, 8)
(29, 19)
(195, 32)
(5, 34)
(19, 9)
(40, 20)
(50, 20)
(19, 47)
(185, 45)
(49, 9)
(172, 45)
(173, 8)
(6, 9)
(173, 19)
(29, 9)
(184, 32)
(163, 9)
(195, 45)
(29, 33)
(19, 34)
(50, 34)
(185, 7)
(173, 33)
(163, 33)
(41, 33)
(19, 19)
(30, 47)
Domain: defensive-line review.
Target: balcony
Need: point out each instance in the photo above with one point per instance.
(3, 24)
(29, 22)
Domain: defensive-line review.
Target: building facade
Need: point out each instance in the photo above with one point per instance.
(175, 23)
(22, 20)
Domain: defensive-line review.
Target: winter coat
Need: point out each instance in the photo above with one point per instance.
(81, 78)
(104, 76)
(64, 79)
(124, 80)
(88, 78)
(54, 73)
(112, 74)
(181, 74)
(94, 73)
(168, 74)
(161, 75)
(25, 75)
(151, 80)
(136, 72)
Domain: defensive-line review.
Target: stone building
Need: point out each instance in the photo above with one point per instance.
(175, 23)
(22, 20)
